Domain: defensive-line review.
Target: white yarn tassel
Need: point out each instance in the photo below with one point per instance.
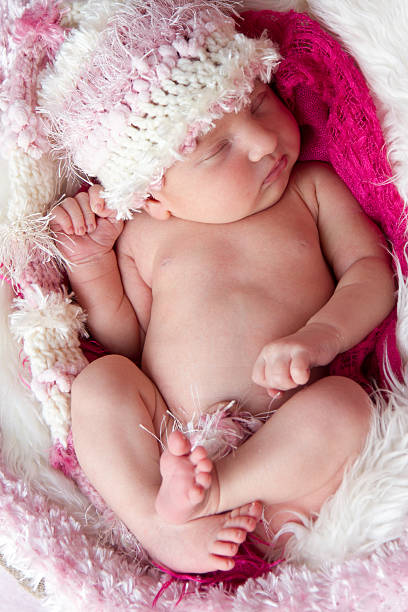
(33, 184)
(49, 326)
(24, 234)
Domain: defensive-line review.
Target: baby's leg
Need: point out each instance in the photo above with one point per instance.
(297, 458)
(302, 448)
(111, 399)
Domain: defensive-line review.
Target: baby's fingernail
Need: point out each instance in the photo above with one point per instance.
(91, 227)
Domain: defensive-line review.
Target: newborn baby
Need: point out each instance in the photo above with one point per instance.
(244, 275)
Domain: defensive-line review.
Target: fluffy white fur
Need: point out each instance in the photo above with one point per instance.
(362, 529)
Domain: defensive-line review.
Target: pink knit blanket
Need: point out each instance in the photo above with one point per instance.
(329, 97)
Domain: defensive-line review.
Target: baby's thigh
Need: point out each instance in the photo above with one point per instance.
(113, 384)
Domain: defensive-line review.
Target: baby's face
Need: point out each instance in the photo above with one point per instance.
(239, 168)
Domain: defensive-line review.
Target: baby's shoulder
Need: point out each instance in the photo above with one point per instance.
(137, 236)
(307, 178)
(309, 173)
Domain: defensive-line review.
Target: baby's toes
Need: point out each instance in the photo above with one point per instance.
(196, 494)
(224, 564)
(204, 479)
(254, 510)
(224, 549)
(232, 534)
(247, 523)
(178, 444)
(204, 465)
(199, 455)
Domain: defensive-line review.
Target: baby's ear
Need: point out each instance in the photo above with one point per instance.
(156, 209)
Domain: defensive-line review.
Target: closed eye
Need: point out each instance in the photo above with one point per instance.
(218, 148)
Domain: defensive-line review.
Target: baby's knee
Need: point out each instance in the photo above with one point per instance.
(343, 411)
(101, 373)
(103, 382)
(109, 384)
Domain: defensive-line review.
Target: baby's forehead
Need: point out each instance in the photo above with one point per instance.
(217, 128)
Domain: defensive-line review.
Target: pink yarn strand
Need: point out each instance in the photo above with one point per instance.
(248, 564)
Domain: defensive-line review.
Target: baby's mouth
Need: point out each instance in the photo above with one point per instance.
(276, 170)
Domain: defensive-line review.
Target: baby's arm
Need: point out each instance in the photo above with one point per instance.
(355, 250)
(86, 232)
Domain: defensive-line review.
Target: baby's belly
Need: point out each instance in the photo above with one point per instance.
(203, 352)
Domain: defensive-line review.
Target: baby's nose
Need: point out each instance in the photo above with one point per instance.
(261, 141)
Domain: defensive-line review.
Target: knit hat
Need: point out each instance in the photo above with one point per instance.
(134, 86)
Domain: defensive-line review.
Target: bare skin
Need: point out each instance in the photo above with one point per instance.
(201, 545)
(193, 486)
(242, 276)
(175, 546)
(186, 476)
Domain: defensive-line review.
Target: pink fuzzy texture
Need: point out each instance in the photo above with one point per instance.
(38, 35)
(81, 573)
(41, 22)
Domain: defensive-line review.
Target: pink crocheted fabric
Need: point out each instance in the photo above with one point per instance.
(323, 87)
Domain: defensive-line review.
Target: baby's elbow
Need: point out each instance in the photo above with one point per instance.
(385, 282)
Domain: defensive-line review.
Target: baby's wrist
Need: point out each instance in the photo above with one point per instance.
(95, 266)
(94, 259)
(328, 337)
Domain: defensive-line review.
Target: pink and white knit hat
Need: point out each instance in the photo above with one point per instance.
(134, 86)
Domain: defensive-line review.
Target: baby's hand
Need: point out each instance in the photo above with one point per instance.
(286, 363)
(84, 227)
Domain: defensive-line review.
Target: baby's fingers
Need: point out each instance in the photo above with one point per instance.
(88, 224)
(61, 221)
(97, 202)
(271, 370)
(74, 220)
(277, 374)
(280, 369)
(300, 368)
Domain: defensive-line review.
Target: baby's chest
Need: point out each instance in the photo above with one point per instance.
(283, 251)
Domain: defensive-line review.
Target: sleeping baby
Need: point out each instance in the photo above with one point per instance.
(243, 276)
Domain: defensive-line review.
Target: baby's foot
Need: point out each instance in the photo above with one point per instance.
(187, 477)
(233, 533)
(206, 544)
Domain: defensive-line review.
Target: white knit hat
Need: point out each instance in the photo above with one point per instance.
(133, 87)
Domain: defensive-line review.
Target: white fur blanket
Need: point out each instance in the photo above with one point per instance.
(354, 557)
